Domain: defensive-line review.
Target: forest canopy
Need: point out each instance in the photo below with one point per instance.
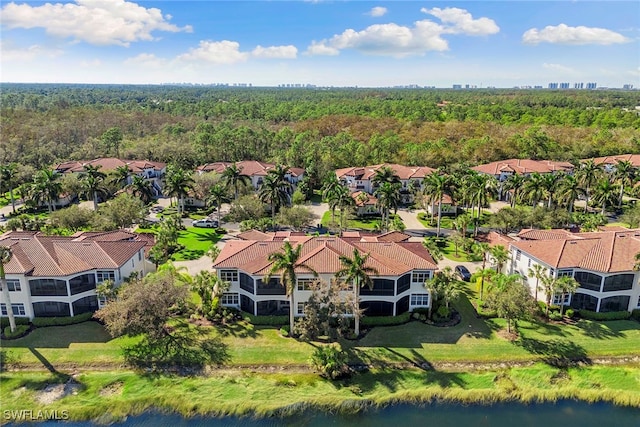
(320, 129)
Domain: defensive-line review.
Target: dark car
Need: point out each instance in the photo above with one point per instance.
(463, 272)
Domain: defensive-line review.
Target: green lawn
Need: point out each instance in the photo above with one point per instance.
(353, 221)
(196, 241)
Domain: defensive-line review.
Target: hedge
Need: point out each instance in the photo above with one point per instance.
(386, 320)
(4, 321)
(20, 331)
(40, 322)
(635, 314)
(266, 320)
(610, 315)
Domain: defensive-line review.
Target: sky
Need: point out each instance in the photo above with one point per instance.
(322, 43)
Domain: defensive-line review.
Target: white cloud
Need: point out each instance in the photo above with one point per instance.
(222, 52)
(147, 60)
(99, 22)
(399, 41)
(94, 63)
(558, 67)
(378, 11)
(11, 52)
(563, 34)
(460, 21)
(275, 52)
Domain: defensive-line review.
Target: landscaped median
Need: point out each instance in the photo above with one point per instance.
(411, 362)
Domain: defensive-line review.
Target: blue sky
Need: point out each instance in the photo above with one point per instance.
(323, 43)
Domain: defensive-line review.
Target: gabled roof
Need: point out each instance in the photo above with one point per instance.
(109, 164)
(51, 256)
(607, 251)
(368, 172)
(523, 166)
(247, 168)
(634, 159)
(322, 254)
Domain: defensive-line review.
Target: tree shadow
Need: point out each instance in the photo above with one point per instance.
(598, 330)
(558, 353)
(238, 330)
(44, 361)
(185, 351)
(545, 328)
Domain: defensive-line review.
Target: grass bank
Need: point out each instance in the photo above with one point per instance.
(123, 393)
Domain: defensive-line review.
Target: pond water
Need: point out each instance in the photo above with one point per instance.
(565, 414)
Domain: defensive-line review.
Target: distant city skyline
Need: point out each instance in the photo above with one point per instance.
(477, 44)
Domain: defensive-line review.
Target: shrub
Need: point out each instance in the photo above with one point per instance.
(20, 331)
(266, 320)
(330, 361)
(543, 306)
(570, 313)
(611, 315)
(385, 320)
(41, 322)
(443, 312)
(554, 315)
(284, 331)
(635, 314)
(4, 321)
(421, 310)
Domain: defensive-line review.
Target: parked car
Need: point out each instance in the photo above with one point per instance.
(463, 272)
(205, 223)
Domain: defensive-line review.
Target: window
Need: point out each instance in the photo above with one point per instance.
(103, 275)
(230, 299)
(419, 300)
(272, 287)
(619, 282)
(48, 287)
(588, 280)
(300, 308)
(140, 256)
(618, 303)
(404, 283)
(83, 283)
(306, 284)
(18, 309)
(13, 285)
(639, 301)
(85, 305)
(518, 255)
(565, 273)
(557, 299)
(228, 275)
(381, 287)
(529, 263)
(420, 277)
(246, 283)
(51, 309)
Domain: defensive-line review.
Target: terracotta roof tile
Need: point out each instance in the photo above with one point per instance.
(523, 166)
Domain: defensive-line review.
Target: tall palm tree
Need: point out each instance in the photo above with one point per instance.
(92, 181)
(550, 182)
(46, 188)
(538, 272)
(344, 201)
(432, 246)
(481, 250)
(500, 255)
(8, 174)
(286, 263)
(232, 176)
(218, 196)
(569, 190)
(565, 285)
(388, 196)
(120, 176)
(436, 186)
(514, 185)
(534, 188)
(355, 271)
(624, 175)
(588, 174)
(141, 187)
(479, 188)
(330, 193)
(605, 193)
(273, 192)
(178, 182)
(5, 257)
(384, 174)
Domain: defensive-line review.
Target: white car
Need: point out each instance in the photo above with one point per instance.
(205, 223)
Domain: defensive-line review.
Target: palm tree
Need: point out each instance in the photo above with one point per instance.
(344, 202)
(436, 186)
(539, 272)
(549, 288)
(432, 246)
(120, 176)
(330, 192)
(550, 182)
(587, 175)
(605, 193)
(388, 196)
(625, 175)
(569, 190)
(178, 182)
(534, 188)
(500, 255)
(636, 265)
(8, 174)
(355, 271)
(218, 196)
(232, 176)
(274, 193)
(5, 257)
(443, 285)
(46, 188)
(514, 186)
(92, 180)
(385, 174)
(286, 263)
(480, 250)
(479, 187)
(566, 285)
(141, 188)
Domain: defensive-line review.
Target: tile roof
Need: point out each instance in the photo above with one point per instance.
(323, 255)
(634, 159)
(368, 172)
(247, 167)
(606, 251)
(51, 256)
(110, 163)
(523, 166)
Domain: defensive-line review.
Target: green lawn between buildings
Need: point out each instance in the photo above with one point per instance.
(196, 241)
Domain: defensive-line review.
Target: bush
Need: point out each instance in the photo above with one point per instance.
(40, 322)
(554, 315)
(543, 306)
(386, 320)
(635, 314)
(4, 321)
(330, 361)
(570, 313)
(266, 320)
(611, 315)
(20, 331)
(284, 331)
